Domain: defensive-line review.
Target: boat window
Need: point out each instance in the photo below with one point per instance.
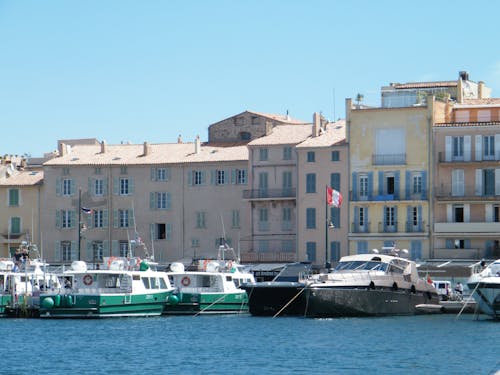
(361, 265)
(154, 283)
(145, 281)
(111, 281)
(136, 277)
(205, 282)
(163, 284)
(228, 278)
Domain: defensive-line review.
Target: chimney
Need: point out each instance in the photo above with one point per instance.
(480, 90)
(316, 124)
(62, 149)
(103, 147)
(147, 149)
(179, 139)
(197, 145)
(463, 75)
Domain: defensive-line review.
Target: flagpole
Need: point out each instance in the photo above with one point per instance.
(79, 222)
(326, 230)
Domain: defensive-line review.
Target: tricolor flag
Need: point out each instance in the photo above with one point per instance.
(333, 197)
(86, 210)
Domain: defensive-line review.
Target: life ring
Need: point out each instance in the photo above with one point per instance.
(186, 281)
(87, 279)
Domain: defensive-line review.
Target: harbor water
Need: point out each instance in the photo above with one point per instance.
(242, 344)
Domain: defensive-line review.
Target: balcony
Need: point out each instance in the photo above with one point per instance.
(468, 192)
(269, 194)
(268, 257)
(472, 254)
(357, 228)
(470, 159)
(467, 228)
(389, 159)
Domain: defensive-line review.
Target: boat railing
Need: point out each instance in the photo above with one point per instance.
(359, 276)
(199, 290)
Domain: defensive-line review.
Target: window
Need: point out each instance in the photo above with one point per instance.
(489, 181)
(496, 216)
(97, 250)
(311, 157)
(13, 197)
(195, 242)
(221, 177)
(163, 201)
(458, 213)
(335, 216)
(66, 250)
(311, 251)
(245, 136)
(241, 176)
(161, 231)
(67, 184)
(161, 174)
(335, 156)
(124, 186)
(66, 219)
(287, 153)
(286, 217)
(311, 183)
(263, 178)
(124, 218)
(287, 180)
(390, 217)
(263, 154)
(361, 216)
(201, 220)
(255, 120)
(363, 187)
(15, 225)
(98, 218)
(489, 147)
(263, 219)
(310, 218)
(458, 148)
(389, 184)
(335, 181)
(98, 186)
(235, 219)
(417, 184)
(197, 178)
(459, 244)
(124, 248)
(457, 182)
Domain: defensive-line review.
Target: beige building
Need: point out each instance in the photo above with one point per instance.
(177, 199)
(467, 181)
(20, 192)
(322, 161)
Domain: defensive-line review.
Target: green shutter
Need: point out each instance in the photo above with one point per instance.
(169, 201)
(168, 228)
(131, 185)
(58, 186)
(58, 219)
(115, 248)
(90, 256)
(57, 251)
(152, 200)
(105, 218)
(130, 218)
(115, 218)
(153, 174)
(116, 185)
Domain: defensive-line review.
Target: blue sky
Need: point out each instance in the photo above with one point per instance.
(151, 70)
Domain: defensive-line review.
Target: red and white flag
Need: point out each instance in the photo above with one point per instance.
(333, 197)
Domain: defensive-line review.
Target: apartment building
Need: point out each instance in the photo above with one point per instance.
(20, 192)
(174, 201)
(322, 161)
(467, 181)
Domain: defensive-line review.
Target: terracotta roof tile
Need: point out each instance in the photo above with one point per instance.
(23, 178)
(335, 134)
(464, 124)
(284, 135)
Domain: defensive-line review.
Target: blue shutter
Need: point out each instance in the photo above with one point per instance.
(383, 218)
(409, 221)
(396, 224)
(354, 186)
(167, 174)
(420, 223)
(355, 227)
(58, 218)
(424, 185)
(74, 223)
(380, 183)
(396, 185)
(407, 185)
(370, 186)
(467, 244)
(233, 176)
(105, 186)
(152, 200)
(367, 221)
(449, 244)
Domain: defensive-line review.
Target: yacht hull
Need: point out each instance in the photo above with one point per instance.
(487, 296)
(276, 298)
(323, 302)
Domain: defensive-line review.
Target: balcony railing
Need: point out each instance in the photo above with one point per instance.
(268, 257)
(269, 193)
(459, 253)
(467, 227)
(356, 228)
(466, 192)
(389, 159)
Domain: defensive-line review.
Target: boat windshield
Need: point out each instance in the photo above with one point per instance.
(361, 265)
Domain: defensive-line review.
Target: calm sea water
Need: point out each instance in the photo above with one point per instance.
(431, 344)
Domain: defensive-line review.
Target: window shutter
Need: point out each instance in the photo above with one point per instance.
(396, 224)
(90, 253)
(115, 218)
(169, 201)
(367, 220)
(497, 181)
(448, 148)
(57, 251)
(380, 183)
(212, 177)
(424, 185)
(74, 222)
(497, 146)
(420, 223)
(449, 243)
(167, 174)
(449, 213)
(152, 200)
(396, 185)
(233, 176)
(74, 251)
(131, 218)
(190, 178)
(479, 182)
(409, 219)
(467, 148)
(356, 226)
(116, 186)
(488, 213)
(354, 186)
(407, 184)
(152, 231)
(153, 174)
(168, 234)
(58, 219)
(105, 187)
(105, 218)
(130, 185)
(115, 248)
(90, 220)
(370, 186)
(90, 185)
(479, 147)
(58, 186)
(72, 187)
(105, 248)
(203, 177)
